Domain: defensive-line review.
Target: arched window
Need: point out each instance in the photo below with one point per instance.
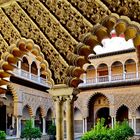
(130, 69)
(116, 71)
(34, 68)
(24, 64)
(90, 74)
(122, 113)
(38, 119)
(26, 115)
(102, 72)
(94, 106)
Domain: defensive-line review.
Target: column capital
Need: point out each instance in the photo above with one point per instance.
(58, 98)
(33, 117)
(62, 90)
(70, 98)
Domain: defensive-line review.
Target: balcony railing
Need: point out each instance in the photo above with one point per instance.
(112, 78)
(30, 76)
(117, 77)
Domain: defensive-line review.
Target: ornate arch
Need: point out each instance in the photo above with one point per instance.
(97, 93)
(102, 30)
(52, 110)
(16, 52)
(30, 110)
(79, 108)
(110, 100)
(42, 110)
(14, 92)
(120, 107)
(121, 25)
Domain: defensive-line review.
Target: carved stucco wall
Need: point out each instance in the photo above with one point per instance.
(117, 96)
(33, 98)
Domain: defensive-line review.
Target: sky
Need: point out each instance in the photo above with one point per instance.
(113, 44)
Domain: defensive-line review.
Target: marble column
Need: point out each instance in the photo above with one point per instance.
(96, 75)
(70, 117)
(137, 70)
(85, 124)
(124, 72)
(30, 74)
(109, 73)
(134, 124)
(113, 121)
(33, 121)
(38, 74)
(13, 121)
(44, 126)
(59, 118)
(19, 67)
(60, 94)
(18, 126)
(84, 78)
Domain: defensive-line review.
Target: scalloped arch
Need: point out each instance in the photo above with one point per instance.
(120, 107)
(30, 110)
(97, 93)
(102, 30)
(52, 111)
(78, 108)
(121, 25)
(13, 91)
(16, 53)
(42, 110)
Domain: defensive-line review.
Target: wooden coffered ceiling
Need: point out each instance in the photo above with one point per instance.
(59, 27)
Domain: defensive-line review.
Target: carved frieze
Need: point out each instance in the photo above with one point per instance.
(29, 30)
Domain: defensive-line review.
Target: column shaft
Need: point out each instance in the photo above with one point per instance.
(112, 122)
(30, 76)
(38, 74)
(134, 125)
(33, 121)
(109, 73)
(70, 119)
(18, 128)
(137, 71)
(96, 75)
(13, 121)
(124, 72)
(83, 125)
(59, 120)
(84, 78)
(44, 126)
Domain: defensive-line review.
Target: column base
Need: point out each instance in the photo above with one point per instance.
(44, 134)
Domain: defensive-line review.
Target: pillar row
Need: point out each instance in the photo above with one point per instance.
(68, 95)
